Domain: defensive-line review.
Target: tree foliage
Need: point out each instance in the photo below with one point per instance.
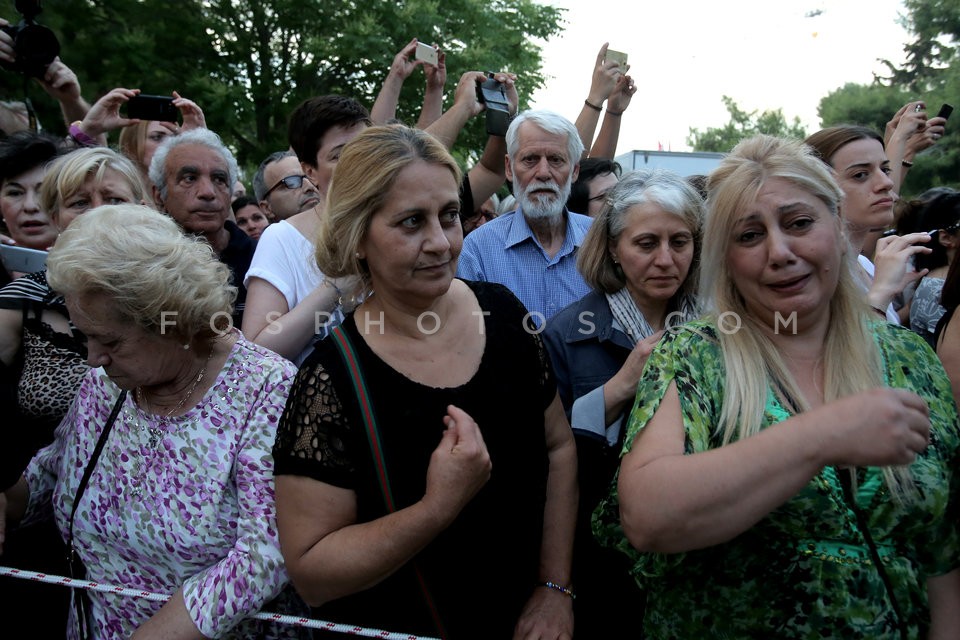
(931, 73)
(743, 125)
(247, 63)
(935, 26)
(869, 105)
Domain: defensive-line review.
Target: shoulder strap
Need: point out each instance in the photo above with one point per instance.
(91, 464)
(847, 484)
(349, 355)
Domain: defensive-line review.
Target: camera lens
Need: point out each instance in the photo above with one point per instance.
(36, 46)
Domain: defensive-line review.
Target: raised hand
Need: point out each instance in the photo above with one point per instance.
(621, 95)
(60, 82)
(403, 65)
(436, 74)
(604, 78)
(192, 114)
(105, 116)
(892, 261)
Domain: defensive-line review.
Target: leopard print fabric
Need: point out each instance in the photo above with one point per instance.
(51, 372)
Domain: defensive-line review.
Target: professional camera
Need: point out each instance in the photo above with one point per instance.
(494, 95)
(34, 45)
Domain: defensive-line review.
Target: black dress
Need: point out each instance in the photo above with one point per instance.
(483, 568)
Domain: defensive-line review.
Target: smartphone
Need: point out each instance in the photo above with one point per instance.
(23, 259)
(494, 95)
(619, 57)
(945, 111)
(144, 107)
(427, 53)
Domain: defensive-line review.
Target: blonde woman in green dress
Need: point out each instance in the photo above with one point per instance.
(790, 463)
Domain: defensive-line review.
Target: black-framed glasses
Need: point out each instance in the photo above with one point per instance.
(290, 182)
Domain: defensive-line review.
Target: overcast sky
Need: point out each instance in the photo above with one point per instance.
(686, 54)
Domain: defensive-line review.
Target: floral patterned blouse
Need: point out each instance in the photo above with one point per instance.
(192, 507)
(805, 570)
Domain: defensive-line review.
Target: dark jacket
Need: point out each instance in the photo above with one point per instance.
(586, 351)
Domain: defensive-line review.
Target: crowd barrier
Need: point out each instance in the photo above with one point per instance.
(160, 597)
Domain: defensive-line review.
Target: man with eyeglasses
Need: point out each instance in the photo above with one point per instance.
(281, 187)
(589, 191)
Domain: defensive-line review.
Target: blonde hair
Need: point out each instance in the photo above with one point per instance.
(152, 272)
(133, 143)
(660, 187)
(66, 175)
(851, 359)
(365, 173)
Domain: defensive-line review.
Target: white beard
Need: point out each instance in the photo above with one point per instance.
(543, 207)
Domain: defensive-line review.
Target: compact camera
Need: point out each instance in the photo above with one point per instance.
(34, 45)
(494, 95)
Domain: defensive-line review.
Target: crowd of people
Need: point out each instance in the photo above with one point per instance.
(539, 398)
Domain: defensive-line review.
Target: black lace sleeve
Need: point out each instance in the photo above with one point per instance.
(314, 437)
(548, 384)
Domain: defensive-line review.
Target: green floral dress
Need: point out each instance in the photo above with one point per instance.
(804, 571)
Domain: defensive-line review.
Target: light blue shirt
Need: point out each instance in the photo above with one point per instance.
(506, 250)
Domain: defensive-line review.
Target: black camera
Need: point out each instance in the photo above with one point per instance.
(494, 95)
(34, 45)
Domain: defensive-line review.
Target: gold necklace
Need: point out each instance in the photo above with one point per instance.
(193, 387)
(155, 432)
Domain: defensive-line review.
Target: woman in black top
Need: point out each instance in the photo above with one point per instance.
(472, 538)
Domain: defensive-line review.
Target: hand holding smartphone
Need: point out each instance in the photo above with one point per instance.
(619, 57)
(426, 53)
(147, 107)
(945, 111)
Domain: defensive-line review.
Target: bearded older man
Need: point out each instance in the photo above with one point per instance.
(533, 251)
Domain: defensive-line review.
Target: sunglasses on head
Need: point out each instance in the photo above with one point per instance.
(290, 182)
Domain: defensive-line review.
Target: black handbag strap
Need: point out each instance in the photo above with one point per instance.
(91, 464)
(847, 484)
(76, 567)
(347, 351)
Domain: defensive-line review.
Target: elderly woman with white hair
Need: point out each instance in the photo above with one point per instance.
(790, 467)
(172, 428)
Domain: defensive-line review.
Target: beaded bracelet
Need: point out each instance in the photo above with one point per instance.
(592, 106)
(564, 590)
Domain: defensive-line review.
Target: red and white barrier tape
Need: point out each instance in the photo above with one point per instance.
(298, 621)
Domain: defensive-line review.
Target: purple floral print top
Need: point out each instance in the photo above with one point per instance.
(181, 503)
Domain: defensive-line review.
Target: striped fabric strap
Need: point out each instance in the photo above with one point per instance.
(343, 343)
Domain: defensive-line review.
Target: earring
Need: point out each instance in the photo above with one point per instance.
(186, 346)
